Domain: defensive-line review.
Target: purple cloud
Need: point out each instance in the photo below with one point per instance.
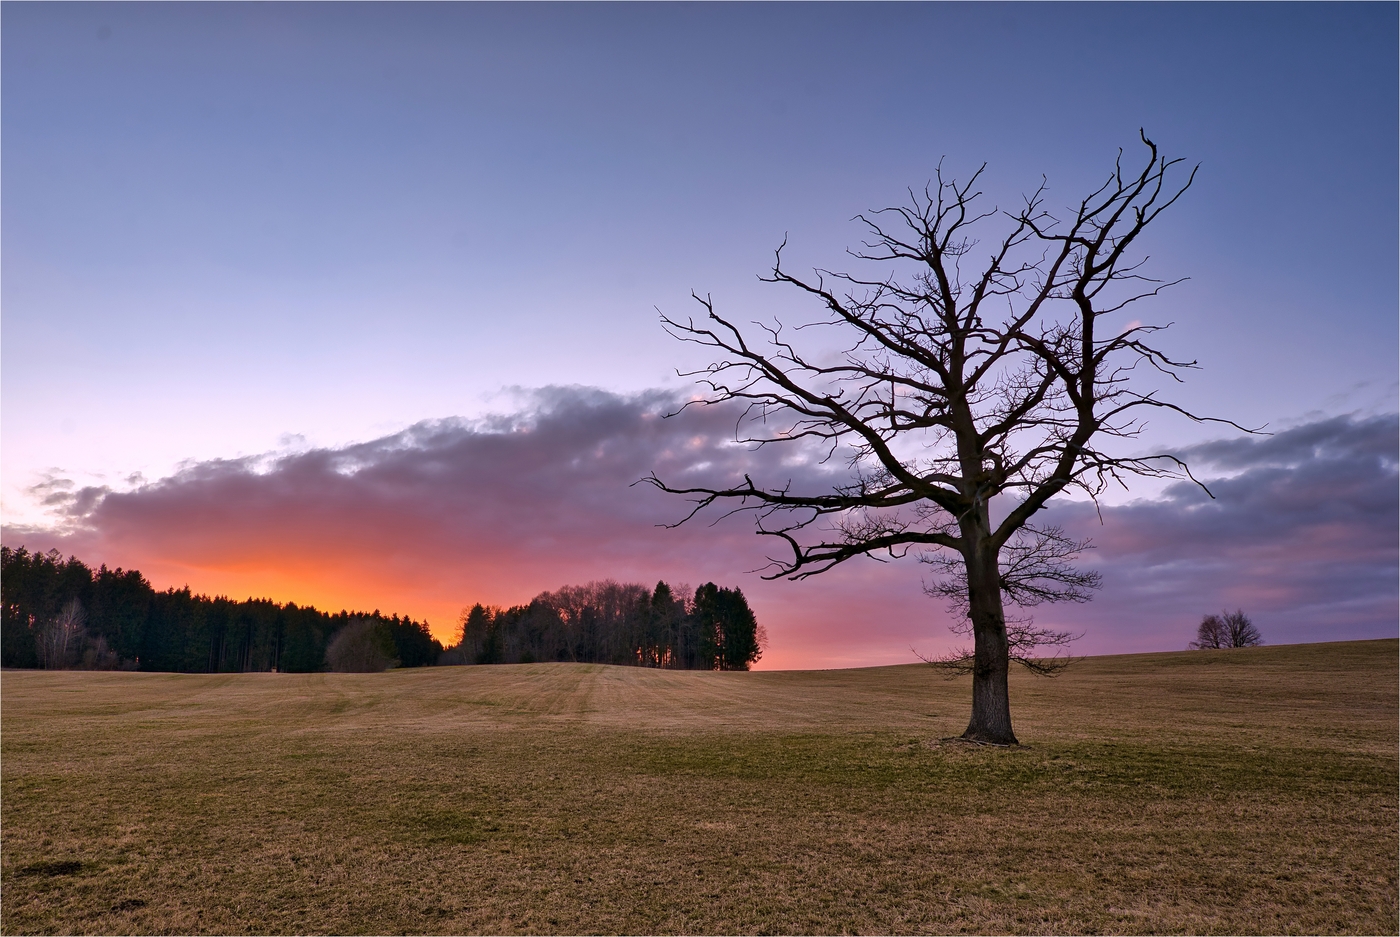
(1301, 534)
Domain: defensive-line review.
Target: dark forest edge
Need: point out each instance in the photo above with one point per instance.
(120, 621)
(617, 623)
(64, 614)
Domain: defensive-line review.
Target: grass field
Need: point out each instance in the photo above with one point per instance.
(1248, 791)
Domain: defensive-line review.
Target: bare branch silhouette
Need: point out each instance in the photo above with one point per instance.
(955, 388)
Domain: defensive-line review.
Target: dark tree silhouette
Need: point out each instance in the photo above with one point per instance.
(1228, 629)
(609, 622)
(960, 383)
(363, 646)
(664, 625)
(727, 629)
(477, 644)
(1241, 630)
(131, 626)
(1210, 635)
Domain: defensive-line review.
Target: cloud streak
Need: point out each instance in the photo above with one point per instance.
(1301, 533)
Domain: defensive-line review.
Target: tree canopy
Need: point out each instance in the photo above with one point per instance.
(617, 623)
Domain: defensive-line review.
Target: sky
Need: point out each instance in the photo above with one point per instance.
(358, 304)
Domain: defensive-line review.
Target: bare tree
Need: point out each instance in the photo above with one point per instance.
(959, 385)
(1211, 634)
(60, 639)
(1240, 630)
(1228, 629)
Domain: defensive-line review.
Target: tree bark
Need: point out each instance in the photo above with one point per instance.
(991, 702)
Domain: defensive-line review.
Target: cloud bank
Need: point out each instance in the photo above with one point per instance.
(1301, 533)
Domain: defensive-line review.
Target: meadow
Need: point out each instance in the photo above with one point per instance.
(1240, 791)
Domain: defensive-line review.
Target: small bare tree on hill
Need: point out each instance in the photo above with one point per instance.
(1228, 629)
(959, 385)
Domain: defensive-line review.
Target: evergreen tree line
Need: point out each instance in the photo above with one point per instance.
(61, 613)
(616, 623)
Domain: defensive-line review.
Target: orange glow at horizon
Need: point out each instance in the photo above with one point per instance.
(810, 624)
(331, 589)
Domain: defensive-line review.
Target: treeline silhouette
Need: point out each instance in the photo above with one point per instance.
(61, 613)
(616, 623)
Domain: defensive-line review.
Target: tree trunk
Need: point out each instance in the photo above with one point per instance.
(991, 704)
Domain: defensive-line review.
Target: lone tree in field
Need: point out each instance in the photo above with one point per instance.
(961, 381)
(1228, 629)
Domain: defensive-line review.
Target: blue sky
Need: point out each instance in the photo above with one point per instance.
(234, 229)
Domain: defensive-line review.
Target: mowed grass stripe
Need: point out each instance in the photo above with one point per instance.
(1226, 792)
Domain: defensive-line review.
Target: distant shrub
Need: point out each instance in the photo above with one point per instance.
(1228, 629)
(362, 646)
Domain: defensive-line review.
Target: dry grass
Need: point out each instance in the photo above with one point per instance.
(1244, 791)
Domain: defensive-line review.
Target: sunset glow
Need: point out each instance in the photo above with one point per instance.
(356, 305)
